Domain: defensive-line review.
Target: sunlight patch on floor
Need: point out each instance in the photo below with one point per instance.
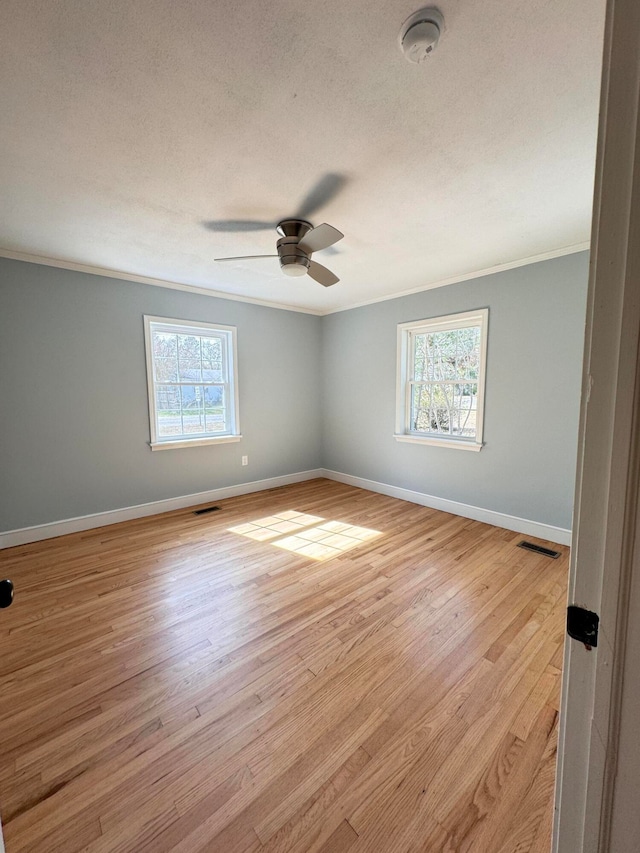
(264, 529)
(310, 535)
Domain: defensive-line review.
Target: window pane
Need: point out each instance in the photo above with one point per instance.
(447, 343)
(168, 410)
(189, 366)
(429, 410)
(165, 357)
(212, 361)
(215, 408)
(468, 355)
(165, 344)
(442, 352)
(192, 409)
(420, 357)
(190, 370)
(465, 410)
(444, 409)
(189, 347)
(442, 356)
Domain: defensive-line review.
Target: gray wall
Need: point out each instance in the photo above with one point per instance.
(314, 392)
(534, 363)
(74, 421)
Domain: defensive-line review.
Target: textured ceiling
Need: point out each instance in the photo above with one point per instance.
(128, 124)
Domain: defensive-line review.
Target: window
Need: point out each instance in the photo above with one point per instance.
(192, 380)
(441, 371)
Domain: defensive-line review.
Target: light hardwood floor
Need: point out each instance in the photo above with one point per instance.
(171, 684)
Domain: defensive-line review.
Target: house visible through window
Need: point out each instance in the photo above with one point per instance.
(441, 373)
(191, 375)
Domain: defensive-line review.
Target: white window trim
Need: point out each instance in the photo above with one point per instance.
(172, 444)
(443, 324)
(188, 327)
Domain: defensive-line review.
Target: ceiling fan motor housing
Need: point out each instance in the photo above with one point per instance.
(298, 241)
(293, 260)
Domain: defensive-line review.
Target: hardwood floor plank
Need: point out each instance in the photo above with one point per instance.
(289, 834)
(341, 840)
(171, 683)
(497, 826)
(531, 823)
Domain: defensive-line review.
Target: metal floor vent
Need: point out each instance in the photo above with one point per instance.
(538, 549)
(205, 510)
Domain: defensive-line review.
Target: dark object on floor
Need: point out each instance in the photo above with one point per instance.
(539, 549)
(205, 510)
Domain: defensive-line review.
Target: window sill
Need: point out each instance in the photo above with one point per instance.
(193, 442)
(439, 442)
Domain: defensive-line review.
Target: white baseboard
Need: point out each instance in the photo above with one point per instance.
(559, 535)
(99, 519)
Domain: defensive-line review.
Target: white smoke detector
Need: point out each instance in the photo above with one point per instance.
(420, 34)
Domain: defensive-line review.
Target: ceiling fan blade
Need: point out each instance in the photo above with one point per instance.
(320, 238)
(321, 194)
(322, 275)
(238, 225)
(245, 258)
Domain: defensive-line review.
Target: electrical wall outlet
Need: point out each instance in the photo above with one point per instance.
(245, 460)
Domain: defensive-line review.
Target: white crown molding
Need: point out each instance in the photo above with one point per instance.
(218, 294)
(548, 532)
(456, 279)
(90, 269)
(24, 535)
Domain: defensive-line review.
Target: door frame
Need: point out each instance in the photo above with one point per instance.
(606, 500)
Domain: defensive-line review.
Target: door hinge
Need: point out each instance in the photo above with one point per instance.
(582, 625)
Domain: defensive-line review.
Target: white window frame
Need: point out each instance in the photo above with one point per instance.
(406, 333)
(191, 327)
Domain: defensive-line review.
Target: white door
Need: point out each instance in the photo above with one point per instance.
(592, 813)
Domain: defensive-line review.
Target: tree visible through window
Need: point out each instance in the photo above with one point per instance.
(192, 389)
(441, 378)
(444, 398)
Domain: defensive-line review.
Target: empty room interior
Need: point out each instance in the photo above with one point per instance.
(292, 320)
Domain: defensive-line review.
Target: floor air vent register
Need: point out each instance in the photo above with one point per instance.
(538, 549)
(206, 510)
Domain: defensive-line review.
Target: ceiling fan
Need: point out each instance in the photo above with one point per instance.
(298, 238)
(298, 241)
